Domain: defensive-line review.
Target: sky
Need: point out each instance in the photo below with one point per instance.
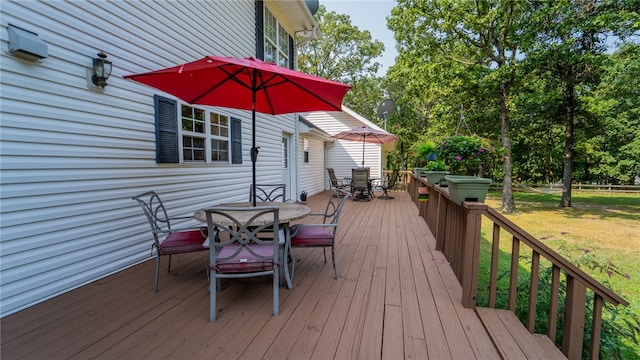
(369, 15)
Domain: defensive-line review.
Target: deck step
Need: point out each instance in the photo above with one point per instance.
(513, 340)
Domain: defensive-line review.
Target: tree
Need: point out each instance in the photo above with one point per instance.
(476, 39)
(568, 47)
(345, 53)
(614, 152)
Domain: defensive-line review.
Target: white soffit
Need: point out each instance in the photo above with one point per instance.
(294, 15)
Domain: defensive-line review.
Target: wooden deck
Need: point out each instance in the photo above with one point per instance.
(396, 298)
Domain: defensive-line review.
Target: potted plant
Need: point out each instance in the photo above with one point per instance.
(435, 170)
(466, 155)
(467, 188)
(424, 151)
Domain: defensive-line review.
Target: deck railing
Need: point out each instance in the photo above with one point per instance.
(457, 230)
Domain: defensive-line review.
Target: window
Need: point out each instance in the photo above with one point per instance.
(276, 41)
(206, 136)
(305, 148)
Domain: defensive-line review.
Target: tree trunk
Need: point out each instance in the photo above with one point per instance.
(567, 171)
(508, 204)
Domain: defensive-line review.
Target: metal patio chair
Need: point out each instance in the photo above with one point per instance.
(322, 235)
(237, 252)
(389, 184)
(360, 184)
(269, 192)
(335, 183)
(168, 240)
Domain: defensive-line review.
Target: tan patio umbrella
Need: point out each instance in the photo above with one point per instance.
(366, 135)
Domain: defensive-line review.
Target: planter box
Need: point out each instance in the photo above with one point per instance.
(467, 188)
(423, 193)
(418, 172)
(433, 177)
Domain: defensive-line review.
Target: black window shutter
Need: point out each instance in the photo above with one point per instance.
(236, 141)
(292, 54)
(260, 29)
(166, 130)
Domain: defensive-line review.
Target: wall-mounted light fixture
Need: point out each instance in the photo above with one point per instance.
(101, 70)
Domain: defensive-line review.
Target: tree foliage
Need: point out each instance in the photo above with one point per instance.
(465, 53)
(538, 75)
(345, 53)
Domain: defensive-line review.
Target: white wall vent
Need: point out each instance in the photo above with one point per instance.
(26, 44)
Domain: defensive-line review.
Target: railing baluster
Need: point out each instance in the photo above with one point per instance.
(596, 327)
(493, 276)
(533, 292)
(553, 302)
(513, 280)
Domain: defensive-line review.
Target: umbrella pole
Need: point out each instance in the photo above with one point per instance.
(254, 157)
(254, 149)
(364, 138)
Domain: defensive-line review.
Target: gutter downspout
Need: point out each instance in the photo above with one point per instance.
(306, 39)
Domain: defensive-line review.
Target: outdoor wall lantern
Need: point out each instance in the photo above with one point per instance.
(101, 70)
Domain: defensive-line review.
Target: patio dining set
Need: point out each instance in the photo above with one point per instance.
(244, 240)
(362, 186)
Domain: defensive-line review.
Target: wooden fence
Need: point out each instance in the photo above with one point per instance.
(457, 229)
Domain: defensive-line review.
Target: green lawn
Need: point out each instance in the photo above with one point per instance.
(600, 233)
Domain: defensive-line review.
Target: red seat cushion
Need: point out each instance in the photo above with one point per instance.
(244, 261)
(182, 242)
(312, 236)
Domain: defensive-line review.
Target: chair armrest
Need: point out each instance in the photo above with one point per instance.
(181, 217)
(294, 229)
(202, 229)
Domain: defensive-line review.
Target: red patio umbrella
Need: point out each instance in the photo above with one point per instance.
(366, 135)
(247, 84)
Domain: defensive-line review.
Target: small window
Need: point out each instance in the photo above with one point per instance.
(305, 148)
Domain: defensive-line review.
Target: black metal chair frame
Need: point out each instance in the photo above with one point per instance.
(390, 184)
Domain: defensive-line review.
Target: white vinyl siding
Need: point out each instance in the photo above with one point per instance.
(312, 174)
(343, 155)
(72, 157)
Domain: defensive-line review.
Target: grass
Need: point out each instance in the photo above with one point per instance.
(600, 227)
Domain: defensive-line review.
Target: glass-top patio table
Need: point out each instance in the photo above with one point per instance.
(289, 212)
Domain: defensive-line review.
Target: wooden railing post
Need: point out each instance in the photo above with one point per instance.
(574, 319)
(471, 252)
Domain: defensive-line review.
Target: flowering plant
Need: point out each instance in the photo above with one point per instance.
(434, 165)
(465, 154)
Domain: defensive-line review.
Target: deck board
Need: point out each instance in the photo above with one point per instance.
(396, 297)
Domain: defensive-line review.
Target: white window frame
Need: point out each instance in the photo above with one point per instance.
(280, 43)
(206, 135)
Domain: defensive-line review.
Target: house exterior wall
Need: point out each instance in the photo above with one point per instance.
(71, 158)
(312, 174)
(343, 155)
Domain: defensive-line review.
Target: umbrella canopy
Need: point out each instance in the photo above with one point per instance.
(366, 135)
(246, 84)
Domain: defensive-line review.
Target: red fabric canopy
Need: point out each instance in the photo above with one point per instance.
(232, 82)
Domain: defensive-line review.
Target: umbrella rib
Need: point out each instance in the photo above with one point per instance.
(266, 84)
(230, 76)
(339, 108)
